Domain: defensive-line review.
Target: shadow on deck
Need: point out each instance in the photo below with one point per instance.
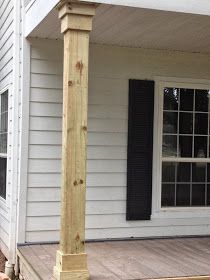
(142, 259)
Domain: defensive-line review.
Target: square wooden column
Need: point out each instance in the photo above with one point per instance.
(76, 24)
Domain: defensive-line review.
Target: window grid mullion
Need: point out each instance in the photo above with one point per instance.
(178, 157)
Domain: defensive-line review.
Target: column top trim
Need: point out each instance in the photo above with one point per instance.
(66, 7)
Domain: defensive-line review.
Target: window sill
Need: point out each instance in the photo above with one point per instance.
(182, 212)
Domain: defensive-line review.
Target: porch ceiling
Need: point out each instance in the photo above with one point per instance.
(135, 27)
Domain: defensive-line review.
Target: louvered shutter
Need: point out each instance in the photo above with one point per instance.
(140, 149)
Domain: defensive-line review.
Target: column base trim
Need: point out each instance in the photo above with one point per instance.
(71, 275)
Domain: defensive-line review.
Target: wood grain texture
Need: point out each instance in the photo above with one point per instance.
(76, 23)
(168, 259)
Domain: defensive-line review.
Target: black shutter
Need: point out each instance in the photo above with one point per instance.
(140, 149)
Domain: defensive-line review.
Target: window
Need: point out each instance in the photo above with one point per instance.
(185, 147)
(3, 141)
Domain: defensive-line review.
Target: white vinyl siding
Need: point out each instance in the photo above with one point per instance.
(6, 71)
(110, 69)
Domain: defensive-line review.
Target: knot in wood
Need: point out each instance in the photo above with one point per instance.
(84, 128)
(81, 181)
(79, 66)
(75, 183)
(70, 83)
(77, 237)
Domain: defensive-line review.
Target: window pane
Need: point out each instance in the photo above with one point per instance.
(169, 146)
(198, 195)
(208, 195)
(183, 172)
(200, 146)
(201, 124)
(3, 168)
(170, 99)
(185, 146)
(199, 172)
(185, 123)
(3, 122)
(183, 195)
(170, 122)
(168, 195)
(3, 143)
(186, 99)
(208, 172)
(202, 100)
(168, 172)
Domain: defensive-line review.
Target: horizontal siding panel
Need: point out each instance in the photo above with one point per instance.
(7, 35)
(42, 209)
(106, 193)
(46, 67)
(45, 138)
(94, 139)
(146, 232)
(6, 20)
(49, 236)
(6, 79)
(93, 152)
(93, 166)
(44, 180)
(5, 8)
(46, 124)
(4, 238)
(108, 125)
(106, 180)
(6, 45)
(41, 50)
(108, 98)
(6, 70)
(112, 222)
(107, 139)
(42, 236)
(43, 194)
(93, 180)
(45, 109)
(104, 166)
(44, 166)
(118, 220)
(94, 125)
(43, 223)
(46, 95)
(106, 152)
(107, 112)
(92, 193)
(44, 152)
(112, 87)
(6, 58)
(46, 81)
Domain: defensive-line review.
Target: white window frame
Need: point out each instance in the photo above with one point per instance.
(157, 210)
(3, 155)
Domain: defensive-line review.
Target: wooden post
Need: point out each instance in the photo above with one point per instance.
(76, 24)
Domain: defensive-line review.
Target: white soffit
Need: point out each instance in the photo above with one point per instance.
(140, 28)
(37, 10)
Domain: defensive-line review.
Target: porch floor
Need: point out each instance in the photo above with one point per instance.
(141, 259)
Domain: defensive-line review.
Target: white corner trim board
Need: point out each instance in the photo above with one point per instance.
(37, 10)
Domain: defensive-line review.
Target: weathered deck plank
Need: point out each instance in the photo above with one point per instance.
(130, 260)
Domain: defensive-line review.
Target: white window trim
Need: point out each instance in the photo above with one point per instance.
(157, 210)
(3, 202)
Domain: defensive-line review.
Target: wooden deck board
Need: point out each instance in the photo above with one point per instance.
(131, 260)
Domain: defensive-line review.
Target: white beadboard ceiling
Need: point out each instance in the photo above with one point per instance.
(144, 28)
